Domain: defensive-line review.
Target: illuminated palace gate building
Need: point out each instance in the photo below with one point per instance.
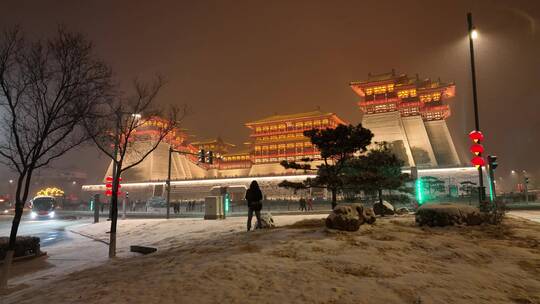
(410, 114)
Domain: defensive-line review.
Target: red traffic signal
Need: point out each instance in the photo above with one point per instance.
(476, 136)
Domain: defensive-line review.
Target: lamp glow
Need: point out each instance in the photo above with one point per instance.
(474, 34)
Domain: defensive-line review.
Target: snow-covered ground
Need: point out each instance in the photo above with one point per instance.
(533, 215)
(392, 261)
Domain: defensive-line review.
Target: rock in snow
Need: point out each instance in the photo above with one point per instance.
(349, 217)
(448, 214)
(384, 208)
(267, 221)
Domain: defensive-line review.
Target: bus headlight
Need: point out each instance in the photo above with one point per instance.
(51, 214)
(33, 214)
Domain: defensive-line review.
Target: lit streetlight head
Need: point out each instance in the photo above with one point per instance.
(474, 33)
(136, 115)
(513, 171)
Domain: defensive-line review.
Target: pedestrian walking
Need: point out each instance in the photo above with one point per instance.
(253, 198)
(309, 203)
(302, 203)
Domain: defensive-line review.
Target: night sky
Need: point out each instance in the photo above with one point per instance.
(236, 61)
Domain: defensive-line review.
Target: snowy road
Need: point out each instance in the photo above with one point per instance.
(66, 252)
(49, 231)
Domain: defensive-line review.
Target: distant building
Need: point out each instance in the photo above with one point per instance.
(217, 145)
(280, 137)
(409, 114)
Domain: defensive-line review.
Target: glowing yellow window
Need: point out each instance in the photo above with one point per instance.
(403, 94)
(369, 91)
(412, 92)
(265, 128)
(379, 90)
(324, 122)
(272, 147)
(308, 124)
(316, 123)
(299, 125)
(273, 137)
(257, 148)
(390, 87)
(258, 129)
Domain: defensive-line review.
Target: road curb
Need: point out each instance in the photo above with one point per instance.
(89, 236)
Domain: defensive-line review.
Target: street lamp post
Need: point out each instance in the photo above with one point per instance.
(473, 35)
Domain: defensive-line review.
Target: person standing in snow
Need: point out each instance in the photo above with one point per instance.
(254, 198)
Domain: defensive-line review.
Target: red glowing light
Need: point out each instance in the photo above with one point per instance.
(476, 149)
(476, 136)
(478, 161)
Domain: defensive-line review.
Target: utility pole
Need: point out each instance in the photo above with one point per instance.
(481, 188)
(526, 187)
(126, 201)
(97, 205)
(168, 184)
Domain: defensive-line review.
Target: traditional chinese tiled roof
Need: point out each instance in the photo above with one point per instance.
(285, 117)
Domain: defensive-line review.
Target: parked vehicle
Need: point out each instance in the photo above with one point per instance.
(43, 207)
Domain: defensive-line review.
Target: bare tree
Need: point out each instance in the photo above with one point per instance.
(117, 137)
(47, 89)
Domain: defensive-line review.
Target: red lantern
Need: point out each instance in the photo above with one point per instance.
(109, 186)
(476, 136)
(476, 149)
(478, 161)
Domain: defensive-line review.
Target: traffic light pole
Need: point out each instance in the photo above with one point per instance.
(481, 188)
(526, 187)
(168, 182)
